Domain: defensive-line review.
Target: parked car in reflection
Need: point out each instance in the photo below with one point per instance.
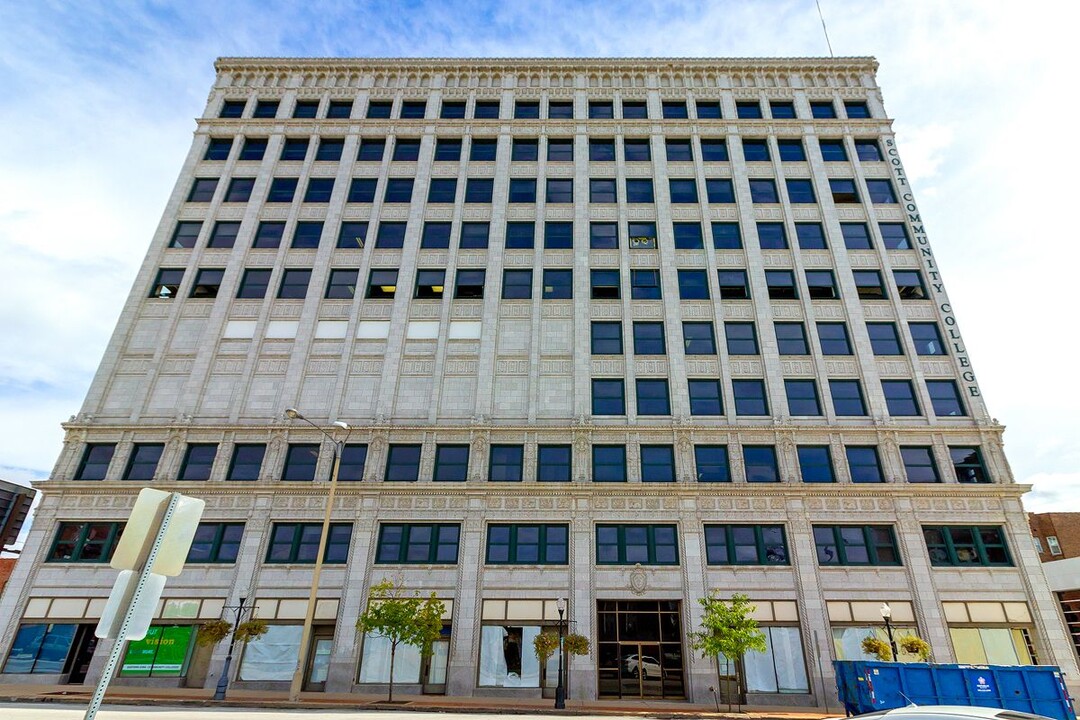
(644, 666)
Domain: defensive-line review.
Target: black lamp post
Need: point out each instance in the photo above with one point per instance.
(223, 681)
(560, 690)
(886, 615)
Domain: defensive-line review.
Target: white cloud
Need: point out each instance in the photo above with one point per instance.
(1052, 492)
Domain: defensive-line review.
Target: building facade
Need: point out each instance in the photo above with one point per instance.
(625, 332)
(1056, 536)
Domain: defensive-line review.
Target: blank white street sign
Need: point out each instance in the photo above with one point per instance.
(141, 530)
(112, 616)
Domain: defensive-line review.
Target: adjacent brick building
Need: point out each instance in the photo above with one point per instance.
(1057, 540)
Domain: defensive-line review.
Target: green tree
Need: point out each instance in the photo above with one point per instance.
(401, 617)
(728, 629)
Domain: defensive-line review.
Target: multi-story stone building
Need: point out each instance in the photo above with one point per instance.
(622, 331)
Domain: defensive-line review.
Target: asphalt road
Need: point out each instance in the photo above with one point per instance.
(47, 711)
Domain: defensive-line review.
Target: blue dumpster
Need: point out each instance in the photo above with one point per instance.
(866, 686)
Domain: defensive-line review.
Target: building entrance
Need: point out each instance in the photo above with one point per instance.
(640, 652)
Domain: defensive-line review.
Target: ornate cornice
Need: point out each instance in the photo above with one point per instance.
(248, 64)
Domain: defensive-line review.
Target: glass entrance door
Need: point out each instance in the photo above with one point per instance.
(319, 663)
(640, 649)
(434, 680)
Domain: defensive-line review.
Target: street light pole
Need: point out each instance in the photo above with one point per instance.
(309, 617)
(223, 681)
(886, 615)
(560, 689)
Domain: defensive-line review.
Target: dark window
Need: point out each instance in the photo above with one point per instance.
(403, 463)
(705, 397)
(483, 149)
(294, 284)
(741, 338)
(300, 462)
(232, 109)
(843, 190)
(528, 544)
(649, 338)
(683, 191)
(470, 284)
(601, 191)
(435, 235)
(919, 465)
(763, 191)
(478, 190)
(254, 284)
(95, 461)
(894, 236)
(674, 109)
(307, 234)
(833, 338)
(451, 463)
(880, 192)
(517, 284)
(945, 398)
(645, 284)
(864, 464)
(802, 398)
(560, 110)
(406, 150)
(207, 283)
(856, 109)
(560, 191)
(353, 460)
(85, 542)
(294, 149)
(198, 462)
(299, 543)
(782, 109)
(425, 544)
(884, 340)
(608, 397)
(609, 463)
(186, 234)
(254, 149)
(524, 150)
(371, 150)
(319, 190)
(791, 150)
(339, 109)
(679, 151)
(604, 284)
(958, 546)
(781, 284)
(868, 151)
(868, 284)
(606, 338)
(714, 150)
(380, 109)
(352, 235)
(342, 284)
(216, 542)
(822, 110)
(750, 398)
(413, 110)
(637, 544)
(361, 190)
(447, 150)
(791, 338)
(224, 235)
(601, 110)
(382, 284)
(720, 191)
(558, 284)
(815, 464)
(657, 463)
(282, 190)
(698, 338)
(856, 545)
(909, 284)
(847, 398)
(519, 235)
(712, 463)
(474, 235)
(202, 190)
(398, 190)
(522, 190)
(745, 545)
(246, 461)
(733, 284)
(833, 151)
(603, 236)
(329, 149)
(726, 236)
(602, 150)
(635, 110)
(167, 283)
(639, 191)
(693, 284)
(558, 235)
(486, 110)
(748, 110)
(266, 109)
(811, 236)
(772, 236)
(560, 150)
(442, 190)
(856, 236)
(756, 150)
(636, 150)
(430, 283)
(708, 109)
(526, 109)
(553, 463)
(968, 465)
(760, 462)
(505, 463)
(800, 192)
(900, 398)
(928, 339)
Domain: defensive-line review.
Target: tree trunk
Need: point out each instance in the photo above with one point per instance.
(393, 651)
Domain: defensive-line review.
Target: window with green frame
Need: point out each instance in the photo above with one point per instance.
(528, 544)
(424, 544)
(958, 546)
(856, 545)
(299, 543)
(632, 544)
(746, 545)
(85, 542)
(216, 543)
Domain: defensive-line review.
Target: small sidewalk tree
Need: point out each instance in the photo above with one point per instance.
(727, 629)
(402, 618)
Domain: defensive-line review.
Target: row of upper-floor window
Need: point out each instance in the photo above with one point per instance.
(552, 463)
(426, 543)
(373, 149)
(528, 109)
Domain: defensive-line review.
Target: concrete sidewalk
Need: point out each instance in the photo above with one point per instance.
(411, 703)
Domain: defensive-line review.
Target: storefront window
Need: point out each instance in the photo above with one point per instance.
(162, 653)
(40, 648)
(848, 641)
(781, 668)
(272, 656)
(508, 657)
(991, 646)
(375, 662)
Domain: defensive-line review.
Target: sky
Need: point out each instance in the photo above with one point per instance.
(97, 108)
